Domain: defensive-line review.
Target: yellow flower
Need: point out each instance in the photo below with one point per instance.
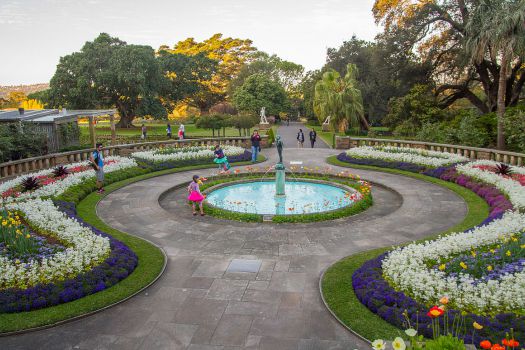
(522, 246)
(514, 239)
(489, 268)
(508, 253)
(444, 300)
(399, 344)
(477, 326)
(463, 265)
(493, 251)
(28, 235)
(442, 267)
(473, 254)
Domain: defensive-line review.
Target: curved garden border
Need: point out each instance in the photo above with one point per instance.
(381, 328)
(18, 323)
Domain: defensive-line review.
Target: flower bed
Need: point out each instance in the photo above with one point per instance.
(513, 185)
(118, 264)
(407, 155)
(48, 257)
(52, 186)
(481, 270)
(167, 158)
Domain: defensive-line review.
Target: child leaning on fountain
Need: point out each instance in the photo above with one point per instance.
(195, 195)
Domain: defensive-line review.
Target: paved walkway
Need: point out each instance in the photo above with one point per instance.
(289, 136)
(235, 285)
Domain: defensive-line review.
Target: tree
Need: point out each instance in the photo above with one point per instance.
(437, 29)
(230, 55)
(260, 91)
(108, 72)
(307, 88)
(497, 28)
(339, 98)
(386, 71)
(211, 121)
(244, 121)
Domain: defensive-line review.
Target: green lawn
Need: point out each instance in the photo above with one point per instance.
(337, 281)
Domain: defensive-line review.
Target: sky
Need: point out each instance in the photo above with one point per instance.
(34, 34)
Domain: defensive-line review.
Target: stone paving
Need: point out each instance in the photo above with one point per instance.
(232, 285)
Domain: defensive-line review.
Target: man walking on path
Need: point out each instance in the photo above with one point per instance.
(256, 145)
(300, 138)
(313, 137)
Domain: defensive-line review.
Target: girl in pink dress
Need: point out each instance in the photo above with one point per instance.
(195, 195)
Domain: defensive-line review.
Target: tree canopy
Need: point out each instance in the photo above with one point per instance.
(260, 91)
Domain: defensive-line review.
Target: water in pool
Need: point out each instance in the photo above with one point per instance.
(301, 198)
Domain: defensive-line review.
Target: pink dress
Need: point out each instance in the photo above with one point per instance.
(195, 192)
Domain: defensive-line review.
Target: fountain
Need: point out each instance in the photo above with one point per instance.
(280, 197)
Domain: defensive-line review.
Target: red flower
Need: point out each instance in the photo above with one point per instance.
(435, 311)
(485, 344)
(511, 342)
(497, 347)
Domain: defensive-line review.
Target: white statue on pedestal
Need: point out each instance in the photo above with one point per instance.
(263, 116)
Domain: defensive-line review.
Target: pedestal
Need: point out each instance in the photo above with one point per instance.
(279, 179)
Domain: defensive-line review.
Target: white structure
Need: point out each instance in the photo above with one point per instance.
(326, 124)
(263, 116)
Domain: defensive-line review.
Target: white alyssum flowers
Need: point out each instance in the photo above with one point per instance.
(84, 249)
(513, 189)
(410, 155)
(185, 153)
(406, 270)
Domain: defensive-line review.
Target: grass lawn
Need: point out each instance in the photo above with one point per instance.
(157, 129)
(151, 262)
(337, 280)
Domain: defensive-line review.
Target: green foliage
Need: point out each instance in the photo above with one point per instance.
(339, 98)
(470, 134)
(243, 121)
(515, 128)
(445, 342)
(16, 236)
(212, 121)
(386, 71)
(259, 91)
(409, 113)
(21, 140)
(271, 136)
(69, 134)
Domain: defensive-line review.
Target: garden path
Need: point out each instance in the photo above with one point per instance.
(232, 285)
(289, 136)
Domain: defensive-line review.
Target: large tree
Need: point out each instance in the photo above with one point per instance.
(438, 30)
(386, 71)
(107, 73)
(260, 91)
(229, 53)
(496, 29)
(339, 98)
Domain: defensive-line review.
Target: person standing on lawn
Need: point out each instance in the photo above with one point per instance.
(256, 145)
(97, 161)
(168, 131)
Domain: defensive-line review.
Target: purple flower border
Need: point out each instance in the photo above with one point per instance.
(378, 296)
(120, 264)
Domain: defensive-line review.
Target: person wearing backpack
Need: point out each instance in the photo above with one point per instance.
(97, 161)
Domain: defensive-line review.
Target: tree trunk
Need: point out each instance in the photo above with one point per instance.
(125, 122)
(240, 132)
(212, 132)
(501, 100)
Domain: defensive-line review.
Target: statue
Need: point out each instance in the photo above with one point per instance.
(263, 116)
(279, 144)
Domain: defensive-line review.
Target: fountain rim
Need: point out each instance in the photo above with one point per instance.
(299, 179)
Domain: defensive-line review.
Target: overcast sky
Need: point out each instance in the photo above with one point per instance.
(34, 34)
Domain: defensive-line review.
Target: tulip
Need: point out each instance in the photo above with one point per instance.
(497, 347)
(435, 312)
(485, 344)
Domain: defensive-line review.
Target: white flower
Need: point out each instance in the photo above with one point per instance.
(201, 152)
(411, 332)
(399, 344)
(410, 155)
(379, 344)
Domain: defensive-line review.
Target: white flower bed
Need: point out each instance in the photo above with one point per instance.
(60, 186)
(513, 189)
(406, 270)
(84, 248)
(185, 154)
(409, 155)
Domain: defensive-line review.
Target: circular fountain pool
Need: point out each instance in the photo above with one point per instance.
(301, 197)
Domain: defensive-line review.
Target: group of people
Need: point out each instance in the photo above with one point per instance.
(300, 138)
(194, 194)
(180, 134)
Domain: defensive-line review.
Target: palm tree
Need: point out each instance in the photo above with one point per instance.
(340, 98)
(496, 28)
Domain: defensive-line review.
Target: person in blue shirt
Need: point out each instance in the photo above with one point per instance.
(97, 161)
